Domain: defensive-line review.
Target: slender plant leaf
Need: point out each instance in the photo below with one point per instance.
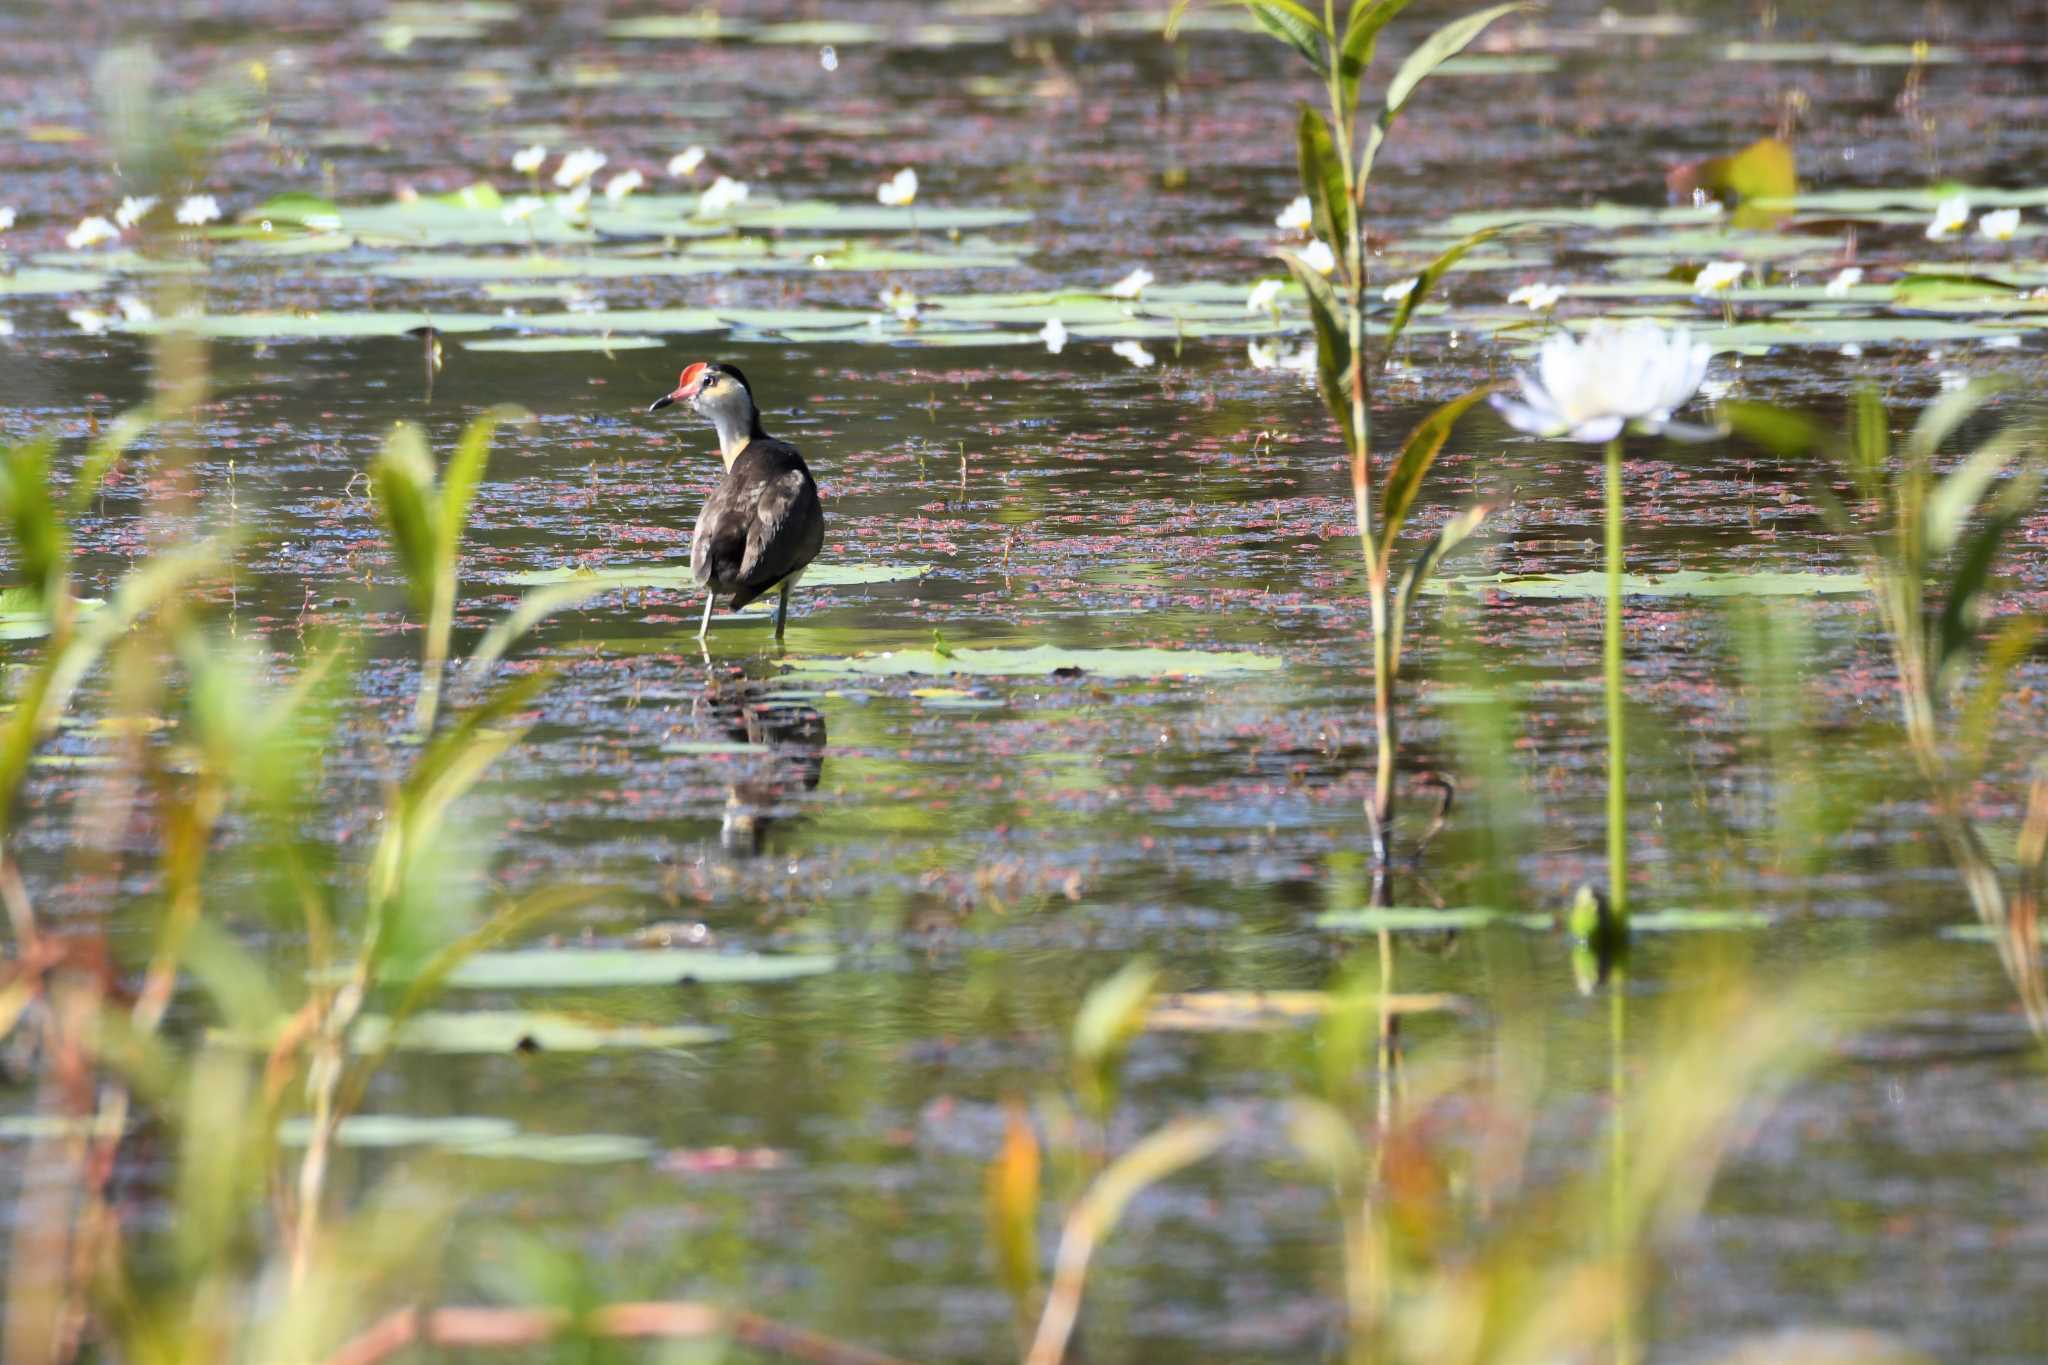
(402, 481)
(1963, 608)
(2008, 649)
(466, 470)
(1955, 497)
(1012, 1186)
(1871, 447)
(1451, 535)
(42, 547)
(1361, 36)
(1952, 409)
(533, 608)
(1295, 26)
(105, 453)
(1322, 175)
(1333, 346)
(1426, 281)
(1111, 1015)
(1438, 48)
(1780, 430)
(1404, 478)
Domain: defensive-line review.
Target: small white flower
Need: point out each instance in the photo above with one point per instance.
(899, 190)
(1394, 293)
(6, 327)
(522, 208)
(573, 204)
(133, 210)
(1850, 350)
(1260, 300)
(135, 309)
(2004, 343)
(2001, 225)
(1262, 356)
(91, 232)
(1132, 285)
(828, 57)
(1134, 352)
(88, 320)
(1718, 278)
(686, 161)
(528, 160)
(1296, 217)
(1054, 334)
(1589, 389)
(725, 193)
(578, 166)
(197, 210)
(1318, 257)
(1845, 279)
(6, 219)
(900, 301)
(621, 185)
(1951, 216)
(1537, 298)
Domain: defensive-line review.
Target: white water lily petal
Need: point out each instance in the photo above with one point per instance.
(134, 309)
(1296, 217)
(1262, 296)
(1588, 388)
(1135, 352)
(1318, 257)
(578, 166)
(2000, 225)
(133, 210)
(88, 320)
(197, 210)
(900, 301)
(6, 219)
(1845, 280)
(91, 232)
(528, 160)
(1951, 216)
(621, 185)
(686, 161)
(575, 203)
(1395, 292)
(522, 208)
(899, 190)
(1054, 334)
(725, 193)
(1719, 277)
(1537, 298)
(1131, 285)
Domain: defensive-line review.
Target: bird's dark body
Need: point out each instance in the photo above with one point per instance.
(762, 523)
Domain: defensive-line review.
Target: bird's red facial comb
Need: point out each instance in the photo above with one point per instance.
(687, 384)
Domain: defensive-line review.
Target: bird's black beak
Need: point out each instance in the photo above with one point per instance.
(658, 404)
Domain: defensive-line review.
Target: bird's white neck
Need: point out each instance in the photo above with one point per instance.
(735, 429)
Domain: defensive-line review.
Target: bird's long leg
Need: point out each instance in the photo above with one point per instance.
(782, 609)
(705, 629)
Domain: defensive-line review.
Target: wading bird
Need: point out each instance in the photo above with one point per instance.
(763, 524)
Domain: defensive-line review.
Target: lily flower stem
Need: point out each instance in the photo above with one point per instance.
(1617, 742)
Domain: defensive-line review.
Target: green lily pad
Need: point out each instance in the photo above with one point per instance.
(22, 616)
(581, 968)
(1685, 583)
(701, 26)
(715, 748)
(51, 282)
(403, 1130)
(566, 343)
(1042, 660)
(495, 1031)
(304, 326)
(1399, 918)
(678, 575)
(563, 1149)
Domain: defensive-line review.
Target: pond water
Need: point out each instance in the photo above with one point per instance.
(976, 849)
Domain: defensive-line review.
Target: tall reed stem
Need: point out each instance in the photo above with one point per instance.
(1617, 740)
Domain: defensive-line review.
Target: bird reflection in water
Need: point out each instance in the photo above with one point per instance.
(745, 710)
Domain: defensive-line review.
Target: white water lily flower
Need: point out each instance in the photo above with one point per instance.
(133, 210)
(522, 208)
(1261, 355)
(1054, 334)
(1318, 257)
(725, 193)
(91, 232)
(828, 57)
(2001, 225)
(1135, 352)
(1951, 216)
(1845, 279)
(1296, 217)
(621, 185)
(899, 190)
(1260, 300)
(1718, 278)
(197, 210)
(6, 327)
(1537, 298)
(1268, 356)
(578, 166)
(88, 320)
(1588, 389)
(6, 219)
(573, 204)
(528, 160)
(135, 309)
(900, 301)
(1394, 293)
(1132, 285)
(686, 161)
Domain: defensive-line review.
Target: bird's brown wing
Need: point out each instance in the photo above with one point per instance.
(784, 533)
